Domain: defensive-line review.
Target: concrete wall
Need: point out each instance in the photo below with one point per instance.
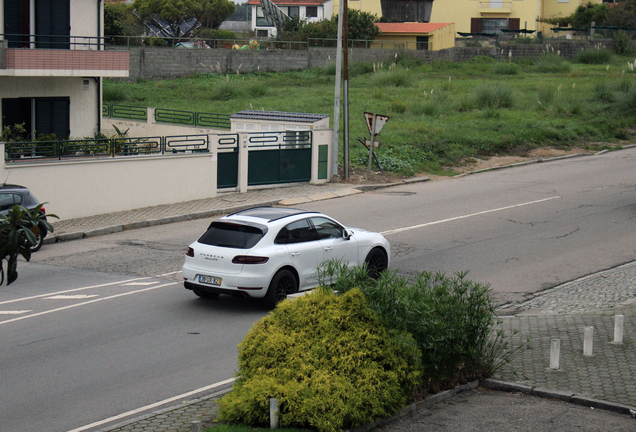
(80, 188)
(85, 105)
(164, 63)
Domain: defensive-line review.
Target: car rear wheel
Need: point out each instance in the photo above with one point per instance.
(283, 283)
(205, 294)
(39, 241)
(376, 262)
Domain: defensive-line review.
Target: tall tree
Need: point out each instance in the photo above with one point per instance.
(210, 13)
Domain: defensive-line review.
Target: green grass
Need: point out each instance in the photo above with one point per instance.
(229, 427)
(440, 112)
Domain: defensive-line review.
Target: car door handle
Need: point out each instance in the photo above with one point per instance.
(328, 249)
(295, 254)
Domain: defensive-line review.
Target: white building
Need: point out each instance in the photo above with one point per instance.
(306, 10)
(52, 61)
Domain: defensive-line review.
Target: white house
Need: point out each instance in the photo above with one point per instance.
(308, 10)
(52, 61)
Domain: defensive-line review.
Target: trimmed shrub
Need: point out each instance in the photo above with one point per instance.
(329, 361)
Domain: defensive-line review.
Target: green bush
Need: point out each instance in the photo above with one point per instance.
(545, 95)
(226, 91)
(552, 63)
(451, 319)
(392, 78)
(622, 43)
(114, 94)
(329, 361)
(603, 93)
(408, 60)
(627, 103)
(505, 68)
(396, 106)
(493, 96)
(593, 56)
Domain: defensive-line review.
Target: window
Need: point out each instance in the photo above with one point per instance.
(231, 235)
(296, 232)
(493, 25)
(262, 33)
(261, 21)
(51, 115)
(8, 200)
(312, 12)
(326, 228)
(422, 42)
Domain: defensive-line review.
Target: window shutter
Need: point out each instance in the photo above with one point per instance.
(10, 112)
(52, 116)
(475, 25)
(12, 20)
(52, 23)
(513, 23)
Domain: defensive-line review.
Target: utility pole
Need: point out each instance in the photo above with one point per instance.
(336, 105)
(345, 53)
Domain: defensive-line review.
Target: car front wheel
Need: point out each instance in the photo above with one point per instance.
(283, 283)
(376, 262)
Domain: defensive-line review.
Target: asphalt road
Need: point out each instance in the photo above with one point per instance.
(521, 230)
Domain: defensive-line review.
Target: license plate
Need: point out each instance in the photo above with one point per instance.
(212, 280)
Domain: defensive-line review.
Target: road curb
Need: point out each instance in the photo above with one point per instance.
(561, 395)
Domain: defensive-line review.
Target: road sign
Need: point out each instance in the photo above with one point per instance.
(380, 120)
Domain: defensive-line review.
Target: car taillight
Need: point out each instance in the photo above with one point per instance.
(43, 210)
(190, 252)
(247, 259)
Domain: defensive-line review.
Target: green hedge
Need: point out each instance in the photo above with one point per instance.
(328, 359)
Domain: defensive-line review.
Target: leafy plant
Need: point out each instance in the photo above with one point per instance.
(593, 56)
(329, 361)
(19, 230)
(452, 319)
(552, 63)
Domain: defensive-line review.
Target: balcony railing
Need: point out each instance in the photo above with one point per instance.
(495, 6)
(84, 56)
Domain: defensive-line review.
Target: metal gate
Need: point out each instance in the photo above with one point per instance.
(227, 167)
(279, 157)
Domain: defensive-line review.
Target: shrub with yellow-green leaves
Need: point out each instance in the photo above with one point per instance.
(328, 359)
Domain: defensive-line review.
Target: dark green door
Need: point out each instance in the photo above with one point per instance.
(227, 167)
(279, 157)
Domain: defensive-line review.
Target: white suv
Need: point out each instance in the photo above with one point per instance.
(270, 252)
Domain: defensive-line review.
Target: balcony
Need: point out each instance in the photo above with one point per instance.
(83, 61)
(495, 7)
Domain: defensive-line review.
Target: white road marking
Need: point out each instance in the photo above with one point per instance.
(141, 283)
(399, 230)
(75, 289)
(151, 406)
(71, 297)
(17, 312)
(86, 303)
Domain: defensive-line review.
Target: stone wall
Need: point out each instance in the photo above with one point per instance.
(157, 63)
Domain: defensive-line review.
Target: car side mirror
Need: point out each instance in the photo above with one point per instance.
(346, 234)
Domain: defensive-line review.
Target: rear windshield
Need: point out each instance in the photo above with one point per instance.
(231, 235)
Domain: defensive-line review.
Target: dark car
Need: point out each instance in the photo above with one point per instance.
(11, 195)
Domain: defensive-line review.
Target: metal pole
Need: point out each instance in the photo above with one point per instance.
(336, 105)
(555, 353)
(345, 43)
(588, 340)
(371, 146)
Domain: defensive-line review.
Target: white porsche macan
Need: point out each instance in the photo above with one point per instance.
(270, 252)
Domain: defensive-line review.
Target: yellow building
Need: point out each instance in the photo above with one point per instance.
(424, 36)
(472, 16)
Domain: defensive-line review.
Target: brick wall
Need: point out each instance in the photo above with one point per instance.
(162, 63)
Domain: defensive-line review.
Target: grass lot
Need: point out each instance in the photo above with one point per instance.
(441, 113)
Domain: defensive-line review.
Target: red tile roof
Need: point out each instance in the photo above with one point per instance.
(410, 27)
(291, 2)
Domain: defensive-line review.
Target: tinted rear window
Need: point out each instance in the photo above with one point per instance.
(231, 235)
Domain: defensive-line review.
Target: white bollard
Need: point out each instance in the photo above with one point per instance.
(555, 353)
(588, 341)
(273, 413)
(618, 329)
(196, 426)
